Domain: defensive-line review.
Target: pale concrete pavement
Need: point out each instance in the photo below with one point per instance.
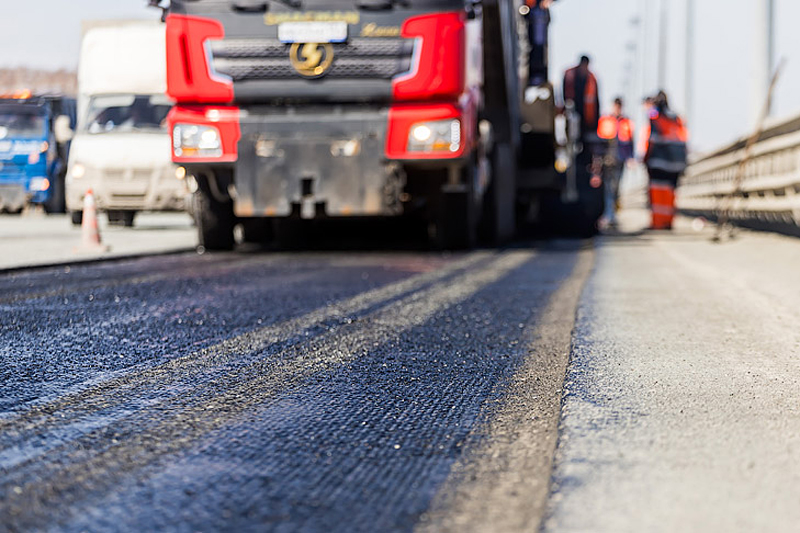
(39, 239)
(681, 399)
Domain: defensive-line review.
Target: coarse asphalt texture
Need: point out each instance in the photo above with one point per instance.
(643, 381)
(322, 391)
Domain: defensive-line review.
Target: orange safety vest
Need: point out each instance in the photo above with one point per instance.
(590, 110)
(611, 127)
(665, 147)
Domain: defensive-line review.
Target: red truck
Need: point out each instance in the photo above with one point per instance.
(302, 109)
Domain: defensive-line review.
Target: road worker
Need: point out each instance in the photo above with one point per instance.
(581, 91)
(665, 158)
(537, 16)
(618, 130)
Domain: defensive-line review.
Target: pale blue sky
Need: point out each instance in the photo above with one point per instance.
(45, 34)
(724, 60)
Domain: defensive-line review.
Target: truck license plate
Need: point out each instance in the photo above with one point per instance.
(312, 32)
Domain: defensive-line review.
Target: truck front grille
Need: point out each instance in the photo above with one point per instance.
(11, 167)
(369, 58)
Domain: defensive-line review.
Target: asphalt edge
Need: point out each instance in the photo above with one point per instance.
(77, 262)
(448, 513)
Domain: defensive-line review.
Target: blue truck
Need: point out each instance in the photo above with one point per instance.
(35, 134)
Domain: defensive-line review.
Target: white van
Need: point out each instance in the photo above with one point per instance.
(121, 149)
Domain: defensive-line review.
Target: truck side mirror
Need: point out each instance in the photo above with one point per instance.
(62, 130)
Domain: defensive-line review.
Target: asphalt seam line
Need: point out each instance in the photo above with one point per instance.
(56, 483)
(103, 395)
(503, 483)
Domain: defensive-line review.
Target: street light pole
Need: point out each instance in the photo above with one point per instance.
(662, 46)
(689, 60)
(764, 48)
(770, 47)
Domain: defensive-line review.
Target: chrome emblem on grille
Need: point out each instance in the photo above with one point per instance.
(311, 60)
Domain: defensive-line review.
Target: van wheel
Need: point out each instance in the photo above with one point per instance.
(214, 219)
(114, 218)
(76, 217)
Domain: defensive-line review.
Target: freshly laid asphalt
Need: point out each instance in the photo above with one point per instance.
(637, 382)
(312, 391)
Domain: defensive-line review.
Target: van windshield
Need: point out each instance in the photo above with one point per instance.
(17, 122)
(127, 113)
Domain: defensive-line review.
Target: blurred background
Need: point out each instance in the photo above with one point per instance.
(726, 79)
(623, 37)
(44, 57)
(713, 57)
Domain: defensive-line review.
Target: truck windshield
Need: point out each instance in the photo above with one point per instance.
(127, 113)
(20, 123)
(367, 4)
(279, 5)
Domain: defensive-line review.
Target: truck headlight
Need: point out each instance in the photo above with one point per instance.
(191, 140)
(436, 136)
(39, 184)
(35, 157)
(78, 171)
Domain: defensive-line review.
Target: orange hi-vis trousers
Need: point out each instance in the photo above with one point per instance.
(662, 204)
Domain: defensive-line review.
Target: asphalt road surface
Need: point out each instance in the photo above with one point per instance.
(316, 391)
(639, 382)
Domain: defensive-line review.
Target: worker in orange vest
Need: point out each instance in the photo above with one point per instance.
(665, 158)
(618, 130)
(580, 90)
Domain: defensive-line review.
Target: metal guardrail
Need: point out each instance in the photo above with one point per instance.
(768, 196)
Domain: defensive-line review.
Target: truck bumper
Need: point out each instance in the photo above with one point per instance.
(316, 164)
(129, 190)
(13, 196)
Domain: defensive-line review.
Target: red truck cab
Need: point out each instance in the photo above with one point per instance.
(290, 110)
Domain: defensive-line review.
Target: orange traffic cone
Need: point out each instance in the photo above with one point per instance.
(90, 233)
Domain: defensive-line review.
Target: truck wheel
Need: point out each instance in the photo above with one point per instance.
(498, 220)
(214, 219)
(76, 217)
(455, 227)
(257, 230)
(57, 203)
(291, 233)
(128, 218)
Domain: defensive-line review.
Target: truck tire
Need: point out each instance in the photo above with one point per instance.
(76, 217)
(291, 233)
(257, 230)
(456, 224)
(498, 220)
(214, 220)
(57, 203)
